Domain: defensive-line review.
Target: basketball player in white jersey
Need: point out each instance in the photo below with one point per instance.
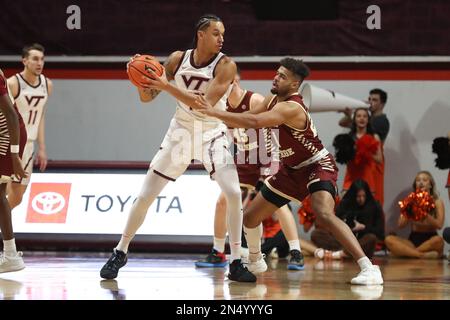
(30, 90)
(203, 70)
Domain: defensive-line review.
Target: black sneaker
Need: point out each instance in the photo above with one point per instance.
(238, 272)
(215, 259)
(296, 261)
(117, 260)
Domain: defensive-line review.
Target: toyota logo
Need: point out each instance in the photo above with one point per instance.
(48, 203)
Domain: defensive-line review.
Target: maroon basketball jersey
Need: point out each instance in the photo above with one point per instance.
(5, 92)
(297, 146)
(243, 105)
(6, 166)
(247, 140)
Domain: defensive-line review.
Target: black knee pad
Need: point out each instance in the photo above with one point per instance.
(273, 198)
(323, 186)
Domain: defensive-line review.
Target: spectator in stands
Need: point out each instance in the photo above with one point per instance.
(423, 242)
(275, 244)
(363, 214)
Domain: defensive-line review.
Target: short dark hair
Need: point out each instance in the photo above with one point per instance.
(238, 70)
(381, 93)
(202, 24)
(296, 66)
(35, 46)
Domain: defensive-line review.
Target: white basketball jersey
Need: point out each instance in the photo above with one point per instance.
(197, 79)
(30, 102)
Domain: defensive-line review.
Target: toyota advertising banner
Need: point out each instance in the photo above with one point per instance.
(100, 203)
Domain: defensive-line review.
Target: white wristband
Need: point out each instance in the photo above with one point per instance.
(14, 148)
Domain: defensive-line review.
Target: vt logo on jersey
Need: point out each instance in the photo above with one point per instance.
(31, 98)
(188, 80)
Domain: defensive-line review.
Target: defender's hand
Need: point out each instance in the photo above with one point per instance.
(204, 106)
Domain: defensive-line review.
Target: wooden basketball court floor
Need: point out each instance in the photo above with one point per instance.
(75, 276)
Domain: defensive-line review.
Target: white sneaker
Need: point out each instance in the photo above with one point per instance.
(369, 276)
(9, 264)
(257, 266)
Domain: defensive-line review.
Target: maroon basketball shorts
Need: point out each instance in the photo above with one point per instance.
(250, 174)
(296, 184)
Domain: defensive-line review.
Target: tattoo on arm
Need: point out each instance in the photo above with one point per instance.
(152, 92)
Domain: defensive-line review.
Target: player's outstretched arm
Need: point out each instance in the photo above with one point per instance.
(280, 114)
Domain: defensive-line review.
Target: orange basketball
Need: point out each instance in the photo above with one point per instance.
(141, 66)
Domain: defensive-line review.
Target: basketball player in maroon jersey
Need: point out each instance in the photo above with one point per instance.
(306, 166)
(12, 141)
(254, 164)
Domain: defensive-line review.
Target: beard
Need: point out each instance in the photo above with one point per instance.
(274, 90)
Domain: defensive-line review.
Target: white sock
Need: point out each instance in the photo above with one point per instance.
(9, 246)
(364, 263)
(253, 236)
(337, 254)
(219, 244)
(124, 243)
(294, 245)
(319, 253)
